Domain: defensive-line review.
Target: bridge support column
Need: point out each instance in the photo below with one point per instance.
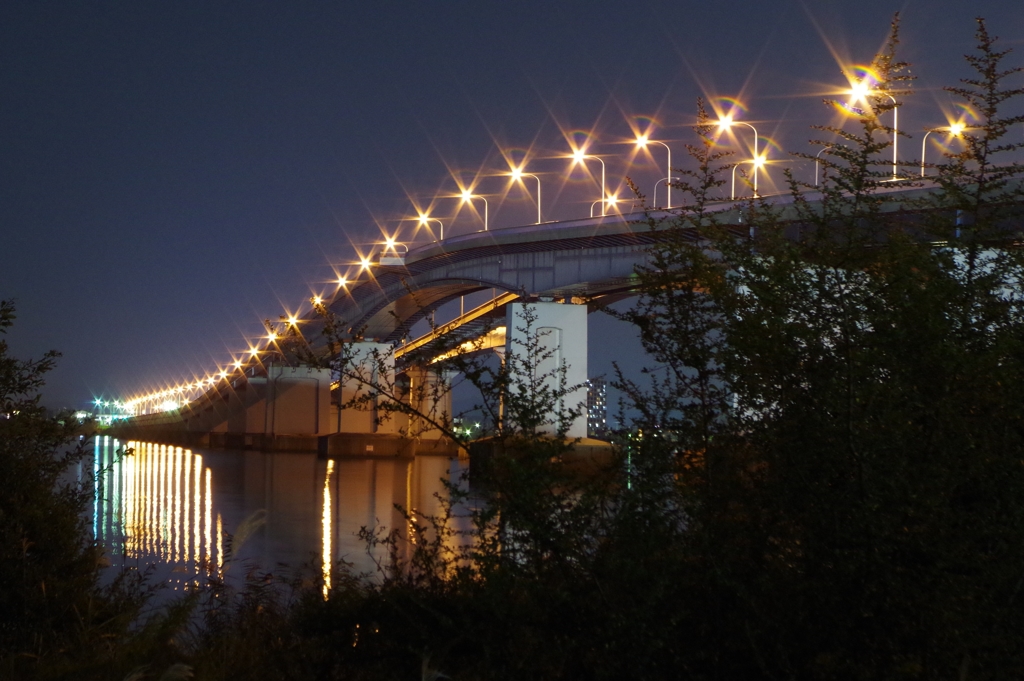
(429, 395)
(298, 401)
(369, 365)
(560, 332)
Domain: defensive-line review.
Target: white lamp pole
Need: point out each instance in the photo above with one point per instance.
(816, 162)
(425, 220)
(654, 199)
(757, 163)
(579, 157)
(954, 130)
(862, 91)
(727, 123)
(467, 197)
(642, 142)
(517, 175)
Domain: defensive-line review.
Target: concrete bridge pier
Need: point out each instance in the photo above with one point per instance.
(369, 364)
(297, 402)
(429, 395)
(559, 333)
(365, 427)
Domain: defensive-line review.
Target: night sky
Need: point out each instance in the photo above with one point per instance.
(173, 173)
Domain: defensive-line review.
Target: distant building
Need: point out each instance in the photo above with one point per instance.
(597, 407)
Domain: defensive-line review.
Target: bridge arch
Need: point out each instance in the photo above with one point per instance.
(583, 258)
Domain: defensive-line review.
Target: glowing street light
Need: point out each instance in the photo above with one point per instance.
(517, 175)
(580, 156)
(642, 141)
(954, 129)
(726, 123)
(468, 196)
(758, 163)
(425, 221)
(391, 244)
(859, 92)
(609, 202)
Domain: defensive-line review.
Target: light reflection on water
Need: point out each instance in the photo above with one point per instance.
(177, 509)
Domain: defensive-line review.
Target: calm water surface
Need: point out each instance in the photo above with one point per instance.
(178, 509)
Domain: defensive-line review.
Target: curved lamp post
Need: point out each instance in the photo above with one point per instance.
(861, 91)
(955, 130)
(817, 161)
(726, 123)
(609, 201)
(579, 156)
(642, 142)
(517, 175)
(757, 162)
(467, 197)
(425, 221)
(668, 181)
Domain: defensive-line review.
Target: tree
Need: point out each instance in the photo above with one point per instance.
(843, 403)
(47, 561)
(55, 619)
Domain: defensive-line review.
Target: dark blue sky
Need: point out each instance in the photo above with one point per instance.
(172, 173)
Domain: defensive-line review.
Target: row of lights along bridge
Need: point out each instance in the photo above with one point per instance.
(860, 92)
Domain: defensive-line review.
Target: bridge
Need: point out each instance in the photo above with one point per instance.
(562, 269)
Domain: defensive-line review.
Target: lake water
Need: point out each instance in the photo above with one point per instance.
(178, 509)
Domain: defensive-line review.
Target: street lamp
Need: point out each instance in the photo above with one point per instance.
(817, 161)
(517, 175)
(642, 142)
(667, 181)
(392, 244)
(468, 196)
(758, 162)
(425, 221)
(726, 123)
(611, 200)
(955, 130)
(579, 156)
(860, 91)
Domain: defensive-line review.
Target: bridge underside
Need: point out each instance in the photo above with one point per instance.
(385, 307)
